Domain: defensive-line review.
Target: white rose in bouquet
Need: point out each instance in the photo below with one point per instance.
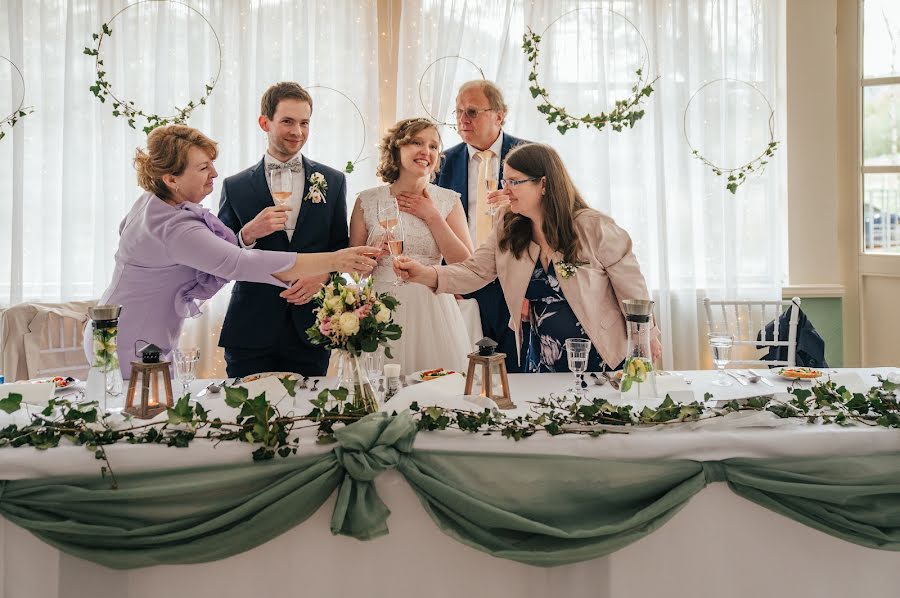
(335, 304)
(384, 315)
(349, 323)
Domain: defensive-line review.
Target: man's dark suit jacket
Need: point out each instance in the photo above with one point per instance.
(454, 175)
(256, 313)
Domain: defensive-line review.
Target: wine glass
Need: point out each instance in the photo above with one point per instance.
(389, 219)
(186, 367)
(492, 183)
(577, 350)
(281, 181)
(721, 352)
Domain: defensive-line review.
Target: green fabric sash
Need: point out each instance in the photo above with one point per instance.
(542, 510)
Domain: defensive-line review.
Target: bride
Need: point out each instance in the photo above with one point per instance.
(433, 227)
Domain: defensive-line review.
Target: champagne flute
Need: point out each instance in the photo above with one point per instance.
(721, 352)
(577, 351)
(492, 182)
(395, 246)
(281, 181)
(389, 220)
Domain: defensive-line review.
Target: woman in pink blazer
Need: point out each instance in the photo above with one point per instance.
(564, 267)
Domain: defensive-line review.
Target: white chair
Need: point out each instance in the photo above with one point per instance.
(747, 321)
(44, 339)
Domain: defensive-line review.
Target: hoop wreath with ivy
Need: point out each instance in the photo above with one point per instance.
(351, 164)
(735, 176)
(20, 110)
(626, 112)
(125, 108)
(436, 120)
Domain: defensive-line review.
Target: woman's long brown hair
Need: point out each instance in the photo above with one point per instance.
(559, 205)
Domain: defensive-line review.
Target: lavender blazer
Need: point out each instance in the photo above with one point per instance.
(169, 258)
(595, 291)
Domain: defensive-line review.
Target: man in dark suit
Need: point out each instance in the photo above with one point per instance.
(480, 114)
(265, 327)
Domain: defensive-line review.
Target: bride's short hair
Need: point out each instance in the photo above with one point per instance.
(401, 134)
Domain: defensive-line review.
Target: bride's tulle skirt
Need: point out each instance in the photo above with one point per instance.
(434, 332)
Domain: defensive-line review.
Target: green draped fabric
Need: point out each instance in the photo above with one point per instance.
(541, 510)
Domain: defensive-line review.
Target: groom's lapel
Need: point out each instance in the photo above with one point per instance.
(309, 167)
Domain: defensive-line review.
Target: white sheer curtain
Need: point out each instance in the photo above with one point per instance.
(67, 178)
(691, 236)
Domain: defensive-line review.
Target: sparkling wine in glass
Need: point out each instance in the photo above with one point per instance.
(492, 182)
(577, 352)
(280, 183)
(389, 220)
(721, 344)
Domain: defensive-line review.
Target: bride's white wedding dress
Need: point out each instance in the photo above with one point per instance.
(434, 333)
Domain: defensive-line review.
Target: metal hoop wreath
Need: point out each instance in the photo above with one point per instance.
(351, 164)
(736, 176)
(422, 79)
(19, 111)
(126, 108)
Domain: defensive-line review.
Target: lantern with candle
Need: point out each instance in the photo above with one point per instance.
(152, 379)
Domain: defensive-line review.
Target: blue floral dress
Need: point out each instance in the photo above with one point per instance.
(551, 322)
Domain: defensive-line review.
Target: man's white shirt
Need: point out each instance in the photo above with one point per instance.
(297, 184)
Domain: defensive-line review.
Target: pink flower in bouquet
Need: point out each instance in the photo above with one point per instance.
(325, 327)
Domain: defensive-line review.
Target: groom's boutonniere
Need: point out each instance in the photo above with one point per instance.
(317, 188)
(568, 269)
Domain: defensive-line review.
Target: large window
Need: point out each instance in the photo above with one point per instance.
(881, 126)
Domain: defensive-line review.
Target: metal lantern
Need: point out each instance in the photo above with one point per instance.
(491, 363)
(154, 379)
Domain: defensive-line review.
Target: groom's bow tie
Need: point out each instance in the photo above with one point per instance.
(294, 164)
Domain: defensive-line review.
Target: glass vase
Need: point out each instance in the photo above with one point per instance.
(353, 377)
(104, 383)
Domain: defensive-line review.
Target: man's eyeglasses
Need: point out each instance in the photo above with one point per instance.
(506, 183)
(471, 113)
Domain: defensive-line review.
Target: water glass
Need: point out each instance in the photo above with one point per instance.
(186, 361)
(374, 364)
(721, 344)
(577, 351)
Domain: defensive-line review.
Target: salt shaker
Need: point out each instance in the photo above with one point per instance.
(391, 380)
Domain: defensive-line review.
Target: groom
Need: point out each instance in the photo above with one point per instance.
(265, 326)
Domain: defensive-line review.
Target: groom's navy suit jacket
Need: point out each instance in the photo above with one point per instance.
(454, 175)
(256, 314)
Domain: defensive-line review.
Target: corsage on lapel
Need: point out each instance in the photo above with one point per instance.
(317, 188)
(568, 269)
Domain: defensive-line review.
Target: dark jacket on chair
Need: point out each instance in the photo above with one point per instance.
(810, 346)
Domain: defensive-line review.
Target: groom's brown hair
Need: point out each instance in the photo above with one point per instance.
(286, 90)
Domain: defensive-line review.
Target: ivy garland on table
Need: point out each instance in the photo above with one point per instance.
(102, 89)
(21, 110)
(261, 423)
(626, 111)
(736, 176)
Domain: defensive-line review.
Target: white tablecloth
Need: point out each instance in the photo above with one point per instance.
(718, 545)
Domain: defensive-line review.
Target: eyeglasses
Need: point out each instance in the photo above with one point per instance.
(471, 113)
(506, 183)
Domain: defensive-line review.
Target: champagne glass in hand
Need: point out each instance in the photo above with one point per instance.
(389, 220)
(492, 182)
(280, 183)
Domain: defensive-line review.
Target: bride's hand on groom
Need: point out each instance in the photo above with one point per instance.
(410, 270)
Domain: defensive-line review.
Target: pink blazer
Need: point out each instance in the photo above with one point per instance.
(594, 292)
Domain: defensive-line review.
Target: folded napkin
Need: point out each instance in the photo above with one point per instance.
(446, 392)
(37, 393)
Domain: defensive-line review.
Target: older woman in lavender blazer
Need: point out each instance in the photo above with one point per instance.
(173, 252)
(564, 268)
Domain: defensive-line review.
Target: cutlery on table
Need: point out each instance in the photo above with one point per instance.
(599, 381)
(315, 382)
(754, 377)
(737, 377)
(612, 381)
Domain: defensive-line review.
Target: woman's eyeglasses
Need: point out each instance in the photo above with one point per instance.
(506, 183)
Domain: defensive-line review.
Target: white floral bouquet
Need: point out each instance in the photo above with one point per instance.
(353, 318)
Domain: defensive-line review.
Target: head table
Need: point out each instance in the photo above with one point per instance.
(742, 505)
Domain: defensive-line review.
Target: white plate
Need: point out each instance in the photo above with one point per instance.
(68, 382)
(416, 377)
(787, 375)
(261, 375)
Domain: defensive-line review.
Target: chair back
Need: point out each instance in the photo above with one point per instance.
(746, 320)
(39, 340)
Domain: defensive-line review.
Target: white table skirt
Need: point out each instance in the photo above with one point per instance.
(718, 545)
